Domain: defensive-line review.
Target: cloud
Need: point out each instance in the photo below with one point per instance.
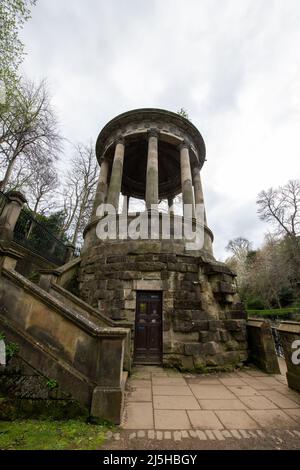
(235, 66)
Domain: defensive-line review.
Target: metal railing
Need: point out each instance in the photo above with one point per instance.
(3, 201)
(277, 341)
(32, 234)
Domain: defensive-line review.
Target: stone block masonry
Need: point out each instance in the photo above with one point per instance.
(202, 327)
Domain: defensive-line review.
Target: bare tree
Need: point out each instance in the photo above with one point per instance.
(41, 187)
(79, 190)
(281, 206)
(268, 275)
(239, 246)
(28, 129)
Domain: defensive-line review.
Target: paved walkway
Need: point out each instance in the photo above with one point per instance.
(167, 407)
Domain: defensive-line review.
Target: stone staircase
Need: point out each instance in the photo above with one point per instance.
(65, 340)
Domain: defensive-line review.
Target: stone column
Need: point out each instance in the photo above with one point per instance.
(101, 190)
(152, 171)
(198, 191)
(186, 176)
(170, 205)
(116, 174)
(10, 214)
(126, 200)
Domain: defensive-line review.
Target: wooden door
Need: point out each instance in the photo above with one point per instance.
(148, 328)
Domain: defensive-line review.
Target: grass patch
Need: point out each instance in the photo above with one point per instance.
(51, 435)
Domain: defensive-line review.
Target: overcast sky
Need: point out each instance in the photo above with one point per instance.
(233, 65)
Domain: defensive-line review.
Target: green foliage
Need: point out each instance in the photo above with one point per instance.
(183, 113)
(11, 349)
(282, 313)
(13, 15)
(255, 303)
(51, 435)
(286, 296)
(51, 384)
(52, 222)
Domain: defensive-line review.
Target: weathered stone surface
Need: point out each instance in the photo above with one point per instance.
(289, 334)
(194, 349)
(262, 347)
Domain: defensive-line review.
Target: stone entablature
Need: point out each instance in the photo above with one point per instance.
(171, 127)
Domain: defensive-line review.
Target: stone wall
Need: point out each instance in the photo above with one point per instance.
(203, 321)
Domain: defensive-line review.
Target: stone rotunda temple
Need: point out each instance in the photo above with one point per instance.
(181, 304)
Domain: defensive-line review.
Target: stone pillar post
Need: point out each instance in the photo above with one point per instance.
(198, 191)
(8, 219)
(69, 252)
(116, 174)
(101, 190)
(186, 177)
(152, 171)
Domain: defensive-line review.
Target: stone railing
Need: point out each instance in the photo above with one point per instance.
(19, 228)
(62, 344)
(290, 340)
(262, 346)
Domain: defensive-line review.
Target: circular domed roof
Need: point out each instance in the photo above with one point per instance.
(134, 126)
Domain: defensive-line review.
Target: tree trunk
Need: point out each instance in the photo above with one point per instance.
(7, 174)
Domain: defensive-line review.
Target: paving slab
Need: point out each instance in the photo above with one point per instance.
(243, 390)
(171, 419)
(272, 419)
(204, 419)
(203, 380)
(270, 381)
(171, 390)
(236, 419)
(173, 381)
(258, 402)
(175, 403)
(256, 373)
(140, 383)
(138, 415)
(280, 400)
(141, 394)
(211, 391)
(257, 384)
(233, 404)
(232, 381)
(288, 392)
(294, 414)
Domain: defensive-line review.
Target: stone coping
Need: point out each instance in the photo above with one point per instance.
(87, 325)
(93, 311)
(130, 217)
(289, 327)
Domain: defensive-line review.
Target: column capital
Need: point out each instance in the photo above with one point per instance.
(184, 145)
(195, 169)
(120, 139)
(153, 132)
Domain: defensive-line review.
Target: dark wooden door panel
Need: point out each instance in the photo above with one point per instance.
(148, 328)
